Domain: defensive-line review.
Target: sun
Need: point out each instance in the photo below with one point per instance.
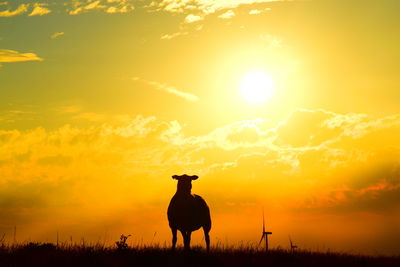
(256, 87)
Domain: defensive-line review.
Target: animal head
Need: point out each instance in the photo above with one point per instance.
(185, 182)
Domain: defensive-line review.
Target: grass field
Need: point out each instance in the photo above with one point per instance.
(46, 254)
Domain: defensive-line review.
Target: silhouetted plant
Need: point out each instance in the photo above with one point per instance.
(2, 241)
(36, 254)
(39, 246)
(121, 244)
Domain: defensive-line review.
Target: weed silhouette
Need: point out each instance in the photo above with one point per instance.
(121, 244)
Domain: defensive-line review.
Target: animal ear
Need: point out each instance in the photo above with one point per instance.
(194, 177)
(175, 177)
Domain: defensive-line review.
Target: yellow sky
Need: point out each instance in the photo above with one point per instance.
(101, 102)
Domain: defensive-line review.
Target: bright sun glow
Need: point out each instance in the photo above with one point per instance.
(256, 87)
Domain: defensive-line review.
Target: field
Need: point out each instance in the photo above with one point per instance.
(37, 254)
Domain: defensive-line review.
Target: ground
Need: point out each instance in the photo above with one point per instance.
(35, 254)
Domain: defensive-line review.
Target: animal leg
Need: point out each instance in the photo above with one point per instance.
(186, 239)
(184, 236)
(188, 236)
(174, 238)
(207, 238)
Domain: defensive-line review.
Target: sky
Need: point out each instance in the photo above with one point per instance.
(102, 101)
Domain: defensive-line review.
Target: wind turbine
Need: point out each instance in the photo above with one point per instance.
(264, 235)
(292, 247)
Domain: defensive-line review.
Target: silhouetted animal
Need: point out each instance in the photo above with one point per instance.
(187, 212)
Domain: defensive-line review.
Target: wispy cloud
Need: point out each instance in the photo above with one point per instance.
(7, 56)
(39, 9)
(122, 6)
(109, 6)
(192, 18)
(169, 89)
(172, 35)
(227, 15)
(57, 35)
(206, 7)
(20, 10)
(254, 12)
(72, 7)
(258, 11)
(79, 7)
(202, 8)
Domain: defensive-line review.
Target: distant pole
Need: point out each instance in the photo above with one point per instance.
(15, 234)
(57, 238)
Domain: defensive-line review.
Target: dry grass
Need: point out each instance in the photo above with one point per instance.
(46, 254)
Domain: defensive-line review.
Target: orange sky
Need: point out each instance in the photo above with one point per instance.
(101, 102)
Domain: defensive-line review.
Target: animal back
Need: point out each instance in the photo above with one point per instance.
(188, 212)
(203, 212)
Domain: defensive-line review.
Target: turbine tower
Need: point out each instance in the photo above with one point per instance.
(292, 246)
(264, 234)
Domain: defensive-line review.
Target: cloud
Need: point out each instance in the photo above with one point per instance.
(206, 7)
(172, 35)
(192, 18)
(312, 163)
(254, 12)
(227, 15)
(57, 35)
(258, 11)
(123, 6)
(75, 7)
(79, 7)
(20, 10)
(113, 10)
(39, 10)
(109, 6)
(169, 89)
(375, 187)
(14, 56)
